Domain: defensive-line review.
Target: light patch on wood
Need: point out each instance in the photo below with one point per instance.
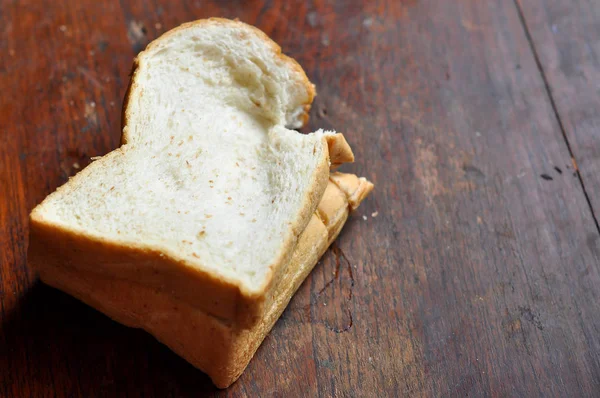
(90, 112)
(426, 170)
(135, 32)
(470, 26)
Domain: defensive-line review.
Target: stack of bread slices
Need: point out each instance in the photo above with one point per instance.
(203, 224)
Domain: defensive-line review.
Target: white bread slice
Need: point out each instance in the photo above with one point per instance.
(204, 202)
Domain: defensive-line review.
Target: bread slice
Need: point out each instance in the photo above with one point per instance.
(220, 349)
(201, 226)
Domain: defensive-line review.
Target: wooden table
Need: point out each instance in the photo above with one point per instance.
(473, 269)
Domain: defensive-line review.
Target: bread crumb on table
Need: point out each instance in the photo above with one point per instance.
(374, 214)
(364, 217)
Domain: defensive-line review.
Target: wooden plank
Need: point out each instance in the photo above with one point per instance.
(475, 276)
(63, 69)
(565, 37)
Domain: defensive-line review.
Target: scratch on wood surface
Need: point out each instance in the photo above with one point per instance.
(85, 73)
(341, 264)
(330, 305)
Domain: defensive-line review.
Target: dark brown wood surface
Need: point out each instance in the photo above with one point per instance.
(473, 269)
(566, 39)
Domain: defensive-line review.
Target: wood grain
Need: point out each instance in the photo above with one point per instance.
(564, 36)
(466, 273)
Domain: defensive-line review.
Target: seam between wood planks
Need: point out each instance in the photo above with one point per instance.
(554, 108)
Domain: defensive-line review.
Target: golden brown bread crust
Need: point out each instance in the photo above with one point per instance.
(220, 349)
(339, 150)
(356, 188)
